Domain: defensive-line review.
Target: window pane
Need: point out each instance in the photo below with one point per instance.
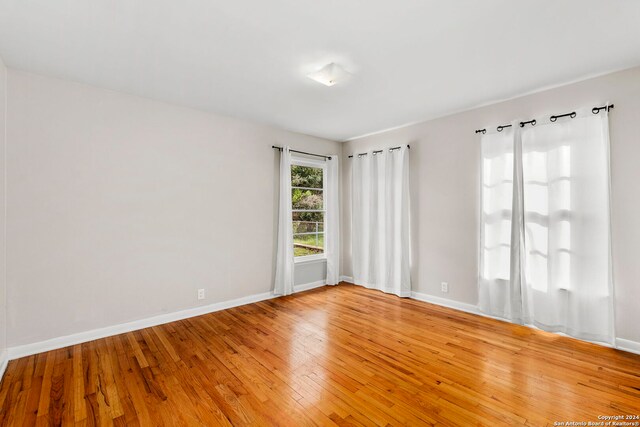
(308, 216)
(306, 199)
(305, 176)
(308, 244)
(307, 227)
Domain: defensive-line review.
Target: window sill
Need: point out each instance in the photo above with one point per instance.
(309, 259)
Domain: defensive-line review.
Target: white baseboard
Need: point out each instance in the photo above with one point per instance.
(628, 345)
(4, 361)
(621, 344)
(462, 306)
(308, 286)
(81, 337)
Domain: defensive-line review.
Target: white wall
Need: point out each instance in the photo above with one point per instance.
(3, 278)
(120, 208)
(445, 172)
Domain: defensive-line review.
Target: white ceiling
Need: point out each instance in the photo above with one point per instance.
(411, 59)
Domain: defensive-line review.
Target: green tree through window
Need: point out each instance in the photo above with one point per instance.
(307, 197)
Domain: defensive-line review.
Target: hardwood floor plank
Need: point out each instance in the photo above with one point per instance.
(45, 390)
(333, 356)
(79, 407)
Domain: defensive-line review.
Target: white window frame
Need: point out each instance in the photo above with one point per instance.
(321, 164)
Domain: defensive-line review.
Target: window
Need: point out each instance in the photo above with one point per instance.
(497, 201)
(547, 216)
(308, 208)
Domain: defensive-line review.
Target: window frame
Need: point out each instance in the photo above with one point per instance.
(320, 164)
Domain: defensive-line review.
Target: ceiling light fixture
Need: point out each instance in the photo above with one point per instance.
(330, 74)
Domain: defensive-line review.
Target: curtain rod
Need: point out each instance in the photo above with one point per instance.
(594, 110)
(303, 152)
(380, 151)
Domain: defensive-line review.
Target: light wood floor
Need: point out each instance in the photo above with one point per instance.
(340, 355)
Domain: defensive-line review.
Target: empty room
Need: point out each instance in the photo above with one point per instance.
(336, 213)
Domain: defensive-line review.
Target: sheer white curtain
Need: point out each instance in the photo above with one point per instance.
(332, 234)
(500, 225)
(284, 256)
(380, 221)
(569, 286)
(547, 260)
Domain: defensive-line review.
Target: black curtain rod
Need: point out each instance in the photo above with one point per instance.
(380, 151)
(594, 110)
(303, 152)
(571, 114)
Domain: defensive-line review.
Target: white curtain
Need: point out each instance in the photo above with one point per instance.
(569, 286)
(380, 221)
(547, 260)
(284, 256)
(500, 225)
(332, 233)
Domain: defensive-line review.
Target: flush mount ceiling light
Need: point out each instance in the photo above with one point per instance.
(329, 75)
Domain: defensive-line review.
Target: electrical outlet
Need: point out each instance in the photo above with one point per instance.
(444, 286)
(200, 293)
